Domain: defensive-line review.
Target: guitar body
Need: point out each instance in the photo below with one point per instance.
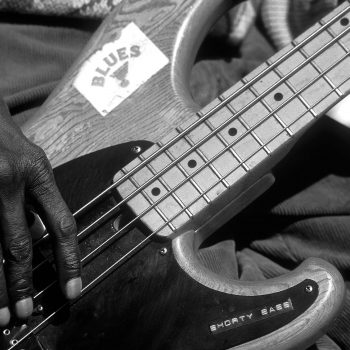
(145, 290)
(165, 297)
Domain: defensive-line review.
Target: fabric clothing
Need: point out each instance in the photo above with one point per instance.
(307, 212)
(75, 8)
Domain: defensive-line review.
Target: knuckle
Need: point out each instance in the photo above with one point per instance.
(8, 173)
(39, 160)
(40, 169)
(16, 165)
(39, 156)
(67, 227)
(19, 251)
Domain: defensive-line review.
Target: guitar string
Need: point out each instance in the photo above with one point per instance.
(110, 269)
(110, 212)
(207, 115)
(85, 289)
(223, 125)
(210, 135)
(87, 258)
(227, 147)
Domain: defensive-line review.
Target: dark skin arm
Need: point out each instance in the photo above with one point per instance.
(26, 174)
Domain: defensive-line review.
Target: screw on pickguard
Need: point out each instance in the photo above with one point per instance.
(121, 73)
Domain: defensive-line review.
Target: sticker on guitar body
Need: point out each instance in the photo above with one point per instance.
(113, 73)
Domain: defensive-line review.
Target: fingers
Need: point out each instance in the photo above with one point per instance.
(4, 302)
(25, 171)
(36, 225)
(62, 228)
(17, 250)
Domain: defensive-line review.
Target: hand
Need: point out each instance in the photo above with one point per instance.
(26, 174)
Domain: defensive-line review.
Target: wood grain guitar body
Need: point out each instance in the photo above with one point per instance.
(68, 126)
(144, 285)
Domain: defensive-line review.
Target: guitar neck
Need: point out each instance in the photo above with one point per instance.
(241, 132)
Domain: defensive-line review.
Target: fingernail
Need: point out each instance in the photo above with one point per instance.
(73, 288)
(4, 316)
(24, 308)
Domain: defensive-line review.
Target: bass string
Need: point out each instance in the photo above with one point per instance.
(111, 239)
(213, 133)
(87, 258)
(192, 149)
(116, 207)
(110, 269)
(207, 115)
(222, 104)
(239, 164)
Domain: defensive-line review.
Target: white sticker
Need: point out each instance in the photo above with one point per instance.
(113, 73)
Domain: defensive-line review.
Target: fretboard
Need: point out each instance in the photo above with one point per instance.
(173, 181)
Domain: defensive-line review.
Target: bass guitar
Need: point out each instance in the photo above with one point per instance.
(150, 176)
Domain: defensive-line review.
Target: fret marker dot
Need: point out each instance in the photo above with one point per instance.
(232, 131)
(344, 21)
(155, 191)
(192, 163)
(278, 96)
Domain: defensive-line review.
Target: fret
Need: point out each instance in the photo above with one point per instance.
(179, 148)
(258, 111)
(229, 164)
(273, 125)
(334, 53)
(228, 134)
(272, 110)
(140, 204)
(186, 192)
(317, 44)
(229, 160)
(344, 7)
(245, 147)
(339, 26)
(320, 95)
(298, 112)
(337, 73)
(301, 76)
(263, 84)
(205, 177)
(295, 108)
(169, 179)
(209, 148)
(205, 156)
(187, 175)
(246, 126)
(325, 77)
(327, 58)
(167, 187)
(158, 163)
(174, 152)
(150, 201)
(169, 206)
(330, 32)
